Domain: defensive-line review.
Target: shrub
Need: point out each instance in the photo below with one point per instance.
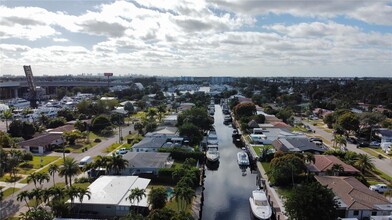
(27, 156)
(97, 140)
(107, 132)
(83, 180)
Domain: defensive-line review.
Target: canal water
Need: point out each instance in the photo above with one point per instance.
(227, 186)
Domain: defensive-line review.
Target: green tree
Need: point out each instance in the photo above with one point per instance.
(28, 130)
(196, 116)
(157, 197)
(311, 201)
(5, 140)
(139, 127)
(53, 169)
(161, 214)
(7, 114)
(349, 122)
(72, 136)
(136, 195)
(37, 213)
(192, 132)
(99, 123)
(329, 120)
(336, 170)
(339, 141)
(129, 108)
(364, 163)
(116, 163)
(69, 169)
(183, 195)
(24, 196)
(286, 168)
(244, 110)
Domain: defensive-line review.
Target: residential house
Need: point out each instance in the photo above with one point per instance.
(296, 144)
(268, 133)
(170, 120)
(150, 144)
(323, 164)
(355, 199)
(146, 162)
(185, 106)
(43, 143)
(109, 197)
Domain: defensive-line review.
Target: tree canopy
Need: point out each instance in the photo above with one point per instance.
(311, 201)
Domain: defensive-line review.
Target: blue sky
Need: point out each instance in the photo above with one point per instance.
(196, 37)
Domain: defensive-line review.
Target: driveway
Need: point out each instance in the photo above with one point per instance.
(11, 206)
(385, 165)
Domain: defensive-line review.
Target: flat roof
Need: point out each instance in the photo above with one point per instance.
(114, 190)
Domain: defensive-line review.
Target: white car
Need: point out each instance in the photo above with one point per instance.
(122, 151)
(381, 188)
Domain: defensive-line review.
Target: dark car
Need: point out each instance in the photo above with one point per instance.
(363, 144)
(352, 140)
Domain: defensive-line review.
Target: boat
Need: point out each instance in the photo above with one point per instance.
(212, 153)
(259, 205)
(242, 158)
(19, 103)
(212, 139)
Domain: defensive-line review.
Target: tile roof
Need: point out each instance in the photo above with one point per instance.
(41, 140)
(146, 159)
(353, 193)
(325, 162)
(296, 144)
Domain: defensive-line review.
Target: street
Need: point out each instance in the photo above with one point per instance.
(11, 206)
(384, 165)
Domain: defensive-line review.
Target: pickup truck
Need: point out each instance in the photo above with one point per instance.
(381, 188)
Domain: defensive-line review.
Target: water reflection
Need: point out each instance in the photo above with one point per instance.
(228, 187)
(213, 166)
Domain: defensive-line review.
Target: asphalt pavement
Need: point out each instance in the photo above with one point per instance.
(384, 165)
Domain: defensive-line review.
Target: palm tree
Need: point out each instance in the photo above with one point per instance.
(81, 194)
(42, 177)
(309, 158)
(72, 192)
(183, 193)
(350, 157)
(69, 169)
(337, 169)
(24, 196)
(33, 177)
(36, 194)
(117, 163)
(339, 141)
(151, 112)
(7, 114)
(137, 194)
(53, 169)
(364, 163)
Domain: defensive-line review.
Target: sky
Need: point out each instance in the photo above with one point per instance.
(307, 38)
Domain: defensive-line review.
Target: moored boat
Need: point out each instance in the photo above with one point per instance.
(259, 205)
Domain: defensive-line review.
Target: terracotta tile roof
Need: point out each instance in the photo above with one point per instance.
(325, 162)
(41, 140)
(280, 124)
(353, 193)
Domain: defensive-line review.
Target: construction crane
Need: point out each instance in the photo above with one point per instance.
(32, 87)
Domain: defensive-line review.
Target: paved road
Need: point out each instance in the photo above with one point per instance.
(385, 165)
(11, 206)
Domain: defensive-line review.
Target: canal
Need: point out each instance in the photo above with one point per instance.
(227, 186)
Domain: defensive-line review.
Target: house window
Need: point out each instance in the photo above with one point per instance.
(374, 213)
(356, 212)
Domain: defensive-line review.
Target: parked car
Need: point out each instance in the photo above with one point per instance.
(352, 140)
(315, 139)
(375, 143)
(363, 144)
(122, 151)
(381, 188)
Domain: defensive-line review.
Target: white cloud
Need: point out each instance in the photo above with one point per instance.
(60, 40)
(373, 12)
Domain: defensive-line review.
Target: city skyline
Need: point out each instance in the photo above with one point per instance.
(198, 38)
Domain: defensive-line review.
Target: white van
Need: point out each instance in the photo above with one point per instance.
(86, 160)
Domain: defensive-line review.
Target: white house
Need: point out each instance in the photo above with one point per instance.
(109, 197)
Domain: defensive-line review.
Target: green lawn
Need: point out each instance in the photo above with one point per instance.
(266, 167)
(383, 175)
(111, 148)
(9, 192)
(284, 191)
(374, 151)
(59, 162)
(7, 178)
(36, 163)
(259, 148)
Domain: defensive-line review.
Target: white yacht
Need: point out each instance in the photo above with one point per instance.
(19, 103)
(212, 153)
(242, 158)
(259, 204)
